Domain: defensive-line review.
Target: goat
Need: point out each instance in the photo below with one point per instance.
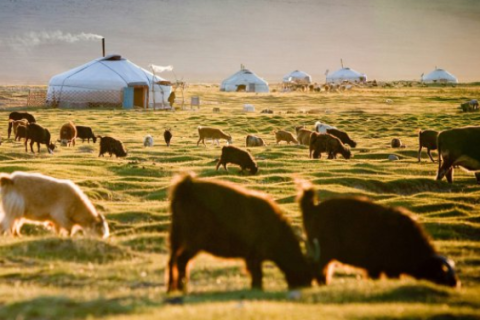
(18, 115)
(40, 135)
(376, 238)
(322, 127)
(39, 198)
(281, 135)
(167, 135)
(232, 154)
(21, 132)
(343, 136)
(212, 133)
(324, 142)
(68, 134)
(236, 223)
(397, 143)
(254, 141)
(148, 141)
(86, 133)
(427, 139)
(16, 123)
(112, 146)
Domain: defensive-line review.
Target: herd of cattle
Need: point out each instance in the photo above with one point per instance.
(351, 230)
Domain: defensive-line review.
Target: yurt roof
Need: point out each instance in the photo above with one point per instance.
(440, 75)
(245, 75)
(345, 73)
(297, 74)
(112, 72)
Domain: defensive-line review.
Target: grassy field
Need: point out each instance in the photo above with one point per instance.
(43, 276)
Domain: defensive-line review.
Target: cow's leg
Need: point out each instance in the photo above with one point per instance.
(254, 267)
(420, 153)
(449, 175)
(430, 155)
(444, 167)
(182, 263)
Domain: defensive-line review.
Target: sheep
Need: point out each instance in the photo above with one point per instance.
(343, 136)
(281, 135)
(235, 223)
(167, 135)
(18, 115)
(212, 133)
(322, 127)
(232, 154)
(112, 146)
(68, 134)
(324, 142)
(37, 133)
(86, 133)
(397, 143)
(254, 141)
(16, 123)
(427, 139)
(148, 141)
(303, 136)
(21, 132)
(39, 198)
(376, 238)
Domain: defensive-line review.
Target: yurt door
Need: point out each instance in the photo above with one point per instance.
(251, 87)
(140, 96)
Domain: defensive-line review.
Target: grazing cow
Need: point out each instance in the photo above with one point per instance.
(86, 133)
(379, 239)
(282, 135)
(343, 136)
(112, 146)
(232, 154)
(324, 142)
(167, 135)
(18, 115)
(303, 136)
(39, 198)
(212, 133)
(21, 132)
(40, 135)
(68, 134)
(235, 223)
(427, 139)
(458, 147)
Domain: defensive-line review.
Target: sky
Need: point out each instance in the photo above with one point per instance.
(207, 40)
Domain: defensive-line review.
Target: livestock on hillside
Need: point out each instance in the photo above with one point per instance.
(323, 127)
(21, 132)
(324, 142)
(232, 154)
(43, 199)
(235, 223)
(19, 115)
(68, 134)
(376, 238)
(16, 123)
(303, 136)
(212, 133)
(343, 136)
(254, 141)
(86, 133)
(167, 136)
(458, 147)
(40, 135)
(112, 146)
(282, 135)
(427, 139)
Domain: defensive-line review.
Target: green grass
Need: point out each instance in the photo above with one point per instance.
(43, 276)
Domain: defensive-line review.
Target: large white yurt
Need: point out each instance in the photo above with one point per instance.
(108, 81)
(439, 76)
(346, 74)
(244, 80)
(297, 76)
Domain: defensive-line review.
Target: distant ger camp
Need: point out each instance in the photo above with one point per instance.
(244, 80)
(108, 81)
(439, 76)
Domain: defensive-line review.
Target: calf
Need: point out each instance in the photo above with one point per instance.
(458, 147)
(324, 142)
(68, 134)
(281, 135)
(235, 223)
(112, 146)
(232, 154)
(40, 135)
(303, 136)
(343, 136)
(167, 135)
(86, 133)
(18, 115)
(212, 133)
(427, 139)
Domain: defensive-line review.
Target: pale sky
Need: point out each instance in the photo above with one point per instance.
(207, 40)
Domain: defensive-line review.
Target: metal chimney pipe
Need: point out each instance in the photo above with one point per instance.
(103, 46)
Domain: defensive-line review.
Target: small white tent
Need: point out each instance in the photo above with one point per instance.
(244, 80)
(108, 81)
(297, 76)
(439, 76)
(346, 74)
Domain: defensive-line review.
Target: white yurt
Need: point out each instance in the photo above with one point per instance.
(439, 76)
(297, 76)
(346, 74)
(108, 81)
(244, 80)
